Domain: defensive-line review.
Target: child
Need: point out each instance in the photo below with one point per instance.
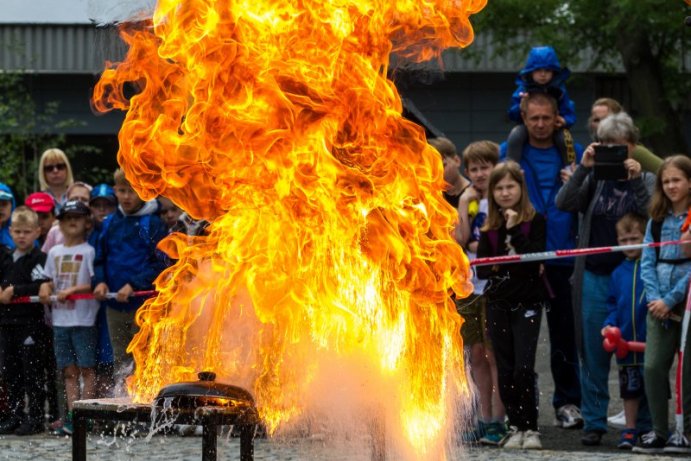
(7, 205)
(169, 212)
(79, 191)
(479, 158)
(627, 310)
(22, 327)
(455, 182)
(127, 260)
(44, 206)
(102, 203)
(665, 275)
(70, 269)
(515, 298)
(542, 73)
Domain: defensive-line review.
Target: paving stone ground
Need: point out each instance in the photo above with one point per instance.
(558, 444)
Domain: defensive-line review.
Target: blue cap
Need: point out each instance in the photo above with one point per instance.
(103, 191)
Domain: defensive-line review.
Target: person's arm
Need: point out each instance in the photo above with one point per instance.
(648, 160)
(573, 195)
(144, 277)
(469, 195)
(536, 242)
(483, 251)
(643, 187)
(38, 276)
(514, 111)
(567, 109)
(649, 267)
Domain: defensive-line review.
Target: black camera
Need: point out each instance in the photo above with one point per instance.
(609, 162)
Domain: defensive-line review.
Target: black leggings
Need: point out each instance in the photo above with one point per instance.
(514, 331)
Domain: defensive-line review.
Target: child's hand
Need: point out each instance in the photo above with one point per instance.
(470, 194)
(567, 172)
(523, 94)
(44, 293)
(63, 294)
(101, 291)
(511, 218)
(6, 294)
(658, 309)
(124, 293)
(560, 122)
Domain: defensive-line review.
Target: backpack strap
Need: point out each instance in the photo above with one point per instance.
(570, 149)
(656, 232)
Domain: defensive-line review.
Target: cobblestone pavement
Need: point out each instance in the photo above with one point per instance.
(558, 444)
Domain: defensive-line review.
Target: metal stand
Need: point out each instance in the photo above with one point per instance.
(208, 417)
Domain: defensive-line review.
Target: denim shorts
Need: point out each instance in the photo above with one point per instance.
(75, 346)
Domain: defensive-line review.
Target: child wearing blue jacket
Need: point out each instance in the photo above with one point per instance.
(127, 261)
(542, 73)
(627, 310)
(7, 205)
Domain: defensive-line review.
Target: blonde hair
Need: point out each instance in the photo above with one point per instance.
(53, 154)
(79, 184)
(119, 178)
(481, 152)
(659, 203)
(525, 210)
(24, 216)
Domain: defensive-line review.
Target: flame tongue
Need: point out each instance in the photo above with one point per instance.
(329, 237)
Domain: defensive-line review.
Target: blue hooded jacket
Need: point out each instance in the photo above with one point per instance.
(126, 252)
(627, 313)
(543, 57)
(5, 237)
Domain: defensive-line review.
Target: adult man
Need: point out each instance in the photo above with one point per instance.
(545, 169)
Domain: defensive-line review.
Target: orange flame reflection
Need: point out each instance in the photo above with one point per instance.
(330, 239)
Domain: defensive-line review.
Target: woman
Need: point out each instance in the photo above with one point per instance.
(55, 175)
(602, 203)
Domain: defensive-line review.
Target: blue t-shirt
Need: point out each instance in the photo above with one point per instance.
(542, 169)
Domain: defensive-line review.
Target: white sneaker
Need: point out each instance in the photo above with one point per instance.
(513, 439)
(569, 417)
(617, 421)
(531, 440)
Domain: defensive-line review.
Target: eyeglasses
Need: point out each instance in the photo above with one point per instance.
(54, 167)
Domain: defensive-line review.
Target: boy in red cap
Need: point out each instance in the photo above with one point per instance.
(44, 206)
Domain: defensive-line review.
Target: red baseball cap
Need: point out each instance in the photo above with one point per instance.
(40, 202)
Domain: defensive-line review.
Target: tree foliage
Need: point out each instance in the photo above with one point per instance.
(26, 130)
(645, 37)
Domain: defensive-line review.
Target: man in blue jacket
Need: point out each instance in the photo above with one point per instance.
(546, 168)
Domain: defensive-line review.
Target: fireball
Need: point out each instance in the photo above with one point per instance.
(328, 269)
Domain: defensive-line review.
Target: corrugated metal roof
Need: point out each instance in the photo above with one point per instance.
(83, 48)
(58, 48)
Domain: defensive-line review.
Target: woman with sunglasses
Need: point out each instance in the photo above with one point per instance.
(55, 175)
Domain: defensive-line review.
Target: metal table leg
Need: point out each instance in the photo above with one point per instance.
(247, 442)
(78, 437)
(209, 441)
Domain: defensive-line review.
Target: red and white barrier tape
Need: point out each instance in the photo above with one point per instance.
(54, 298)
(545, 255)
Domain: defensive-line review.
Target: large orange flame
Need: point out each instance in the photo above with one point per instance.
(330, 240)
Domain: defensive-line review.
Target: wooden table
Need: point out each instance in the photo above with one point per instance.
(209, 417)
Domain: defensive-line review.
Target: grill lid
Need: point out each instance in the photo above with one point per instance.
(205, 392)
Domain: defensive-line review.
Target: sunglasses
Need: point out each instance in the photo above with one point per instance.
(55, 167)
